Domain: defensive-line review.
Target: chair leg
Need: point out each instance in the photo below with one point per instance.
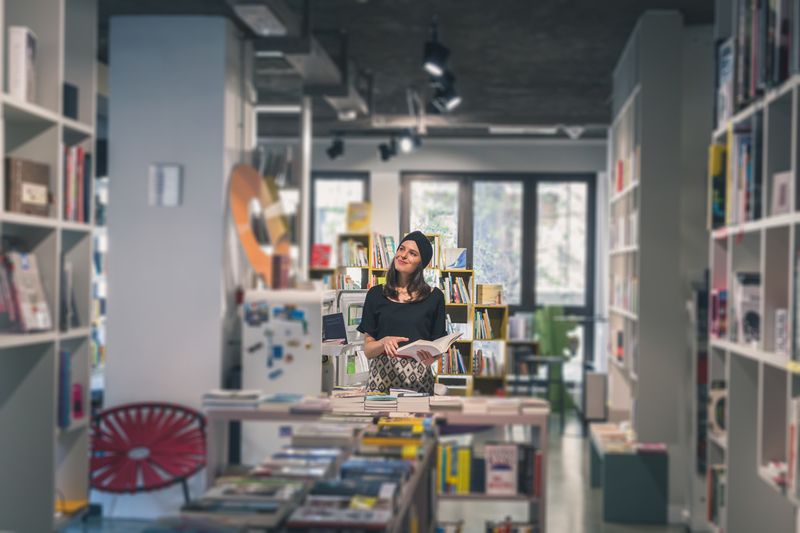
(185, 486)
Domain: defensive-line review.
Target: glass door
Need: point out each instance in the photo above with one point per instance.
(564, 267)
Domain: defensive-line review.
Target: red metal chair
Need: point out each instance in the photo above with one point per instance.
(141, 447)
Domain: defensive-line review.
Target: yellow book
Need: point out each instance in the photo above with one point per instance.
(70, 506)
(729, 177)
(464, 473)
(359, 217)
(716, 168)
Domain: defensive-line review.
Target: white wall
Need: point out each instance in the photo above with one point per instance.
(174, 97)
(451, 155)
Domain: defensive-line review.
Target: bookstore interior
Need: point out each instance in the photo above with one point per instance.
(421, 266)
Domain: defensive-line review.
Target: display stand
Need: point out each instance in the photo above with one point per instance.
(219, 422)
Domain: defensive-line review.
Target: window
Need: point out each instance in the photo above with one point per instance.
(434, 209)
(497, 235)
(561, 243)
(330, 196)
(532, 233)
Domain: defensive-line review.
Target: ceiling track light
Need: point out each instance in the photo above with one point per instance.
(388, 150)
(435, 56)
(409, 141)
(445, 98)
(336, 149)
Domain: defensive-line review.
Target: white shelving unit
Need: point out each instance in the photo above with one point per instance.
(41, 463)
(758, 376)
(656, 153)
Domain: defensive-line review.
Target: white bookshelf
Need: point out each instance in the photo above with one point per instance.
(41, 462)
(758, 375)
(656, 151)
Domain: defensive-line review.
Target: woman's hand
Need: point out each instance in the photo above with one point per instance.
(390, 344)
(426, 358)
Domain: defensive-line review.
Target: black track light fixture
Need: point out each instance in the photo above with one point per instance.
(388, 150)
(336, 148)
(436, 54)
(445, 97)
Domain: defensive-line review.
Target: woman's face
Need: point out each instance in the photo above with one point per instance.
(407, 258)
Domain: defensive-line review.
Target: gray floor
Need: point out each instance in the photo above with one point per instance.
(573, 506)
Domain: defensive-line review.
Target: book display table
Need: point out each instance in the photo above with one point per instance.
(417, 501)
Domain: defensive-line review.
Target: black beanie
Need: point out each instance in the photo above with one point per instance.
(424, 245)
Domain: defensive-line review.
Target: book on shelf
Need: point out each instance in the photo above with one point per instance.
(77, 186)
(455, 258)
(333, 327)
(359, 217)
(744, 176)
(451, 362)
(434, 347)
(716, 493)
(487, 359)
(725, 81)
(28, 187)
(353, 253)
(483, 326)
(717, 177)
(793, 446)
(22, 56)
(782, 191)
(64, 388)
(718, 309)
(321, 255)
(312, 516)
(25, 298)
(383, 250)
(376, 469)
(746, 308)
(489, 294)
(69, 315)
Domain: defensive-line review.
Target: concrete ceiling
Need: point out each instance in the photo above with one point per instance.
(516, 62)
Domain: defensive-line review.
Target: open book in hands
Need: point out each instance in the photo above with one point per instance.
(435, 348)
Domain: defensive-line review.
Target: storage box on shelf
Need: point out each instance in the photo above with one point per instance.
(41, 122)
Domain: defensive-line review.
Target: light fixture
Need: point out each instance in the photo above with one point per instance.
(445, 97)
(409, 141)
(436, 54)
(259, 17)
(347, 115)
(388, 150)
(336, 148)
(574, 132)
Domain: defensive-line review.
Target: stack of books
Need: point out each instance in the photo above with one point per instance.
(353, 253)
(489, 294)
(280, 402)
(380, 403)
(451, 362)
(347, 401)
(499, 468)
(324, 435)
(294, 468)
(445, 403)
(483, 326)
(346, 503)
(411, 401)
(376, 468)
(232, 399)
(311, 404)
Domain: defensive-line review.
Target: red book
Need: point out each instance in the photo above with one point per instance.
(78, 188)
(321, 255)
(620, 167)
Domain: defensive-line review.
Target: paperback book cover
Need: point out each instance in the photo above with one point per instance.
(502, 462)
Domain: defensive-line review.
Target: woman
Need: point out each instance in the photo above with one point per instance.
(403, 310)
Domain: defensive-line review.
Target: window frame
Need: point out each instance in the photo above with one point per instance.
(364, 177)
(530, 182)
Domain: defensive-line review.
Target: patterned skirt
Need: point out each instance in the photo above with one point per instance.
(399, 373)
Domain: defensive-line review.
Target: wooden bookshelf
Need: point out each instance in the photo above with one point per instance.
(52, 461)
